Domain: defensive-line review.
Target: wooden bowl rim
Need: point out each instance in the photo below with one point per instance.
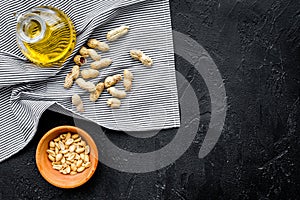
(83, 134)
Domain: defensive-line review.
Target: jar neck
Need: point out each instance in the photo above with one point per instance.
(31, 27)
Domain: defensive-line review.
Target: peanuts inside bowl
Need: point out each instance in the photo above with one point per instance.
(67, 171)
(69, 154)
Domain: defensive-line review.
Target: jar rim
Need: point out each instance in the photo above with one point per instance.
(22, 20)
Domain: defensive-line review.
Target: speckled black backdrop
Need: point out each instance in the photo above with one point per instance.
(255, 45)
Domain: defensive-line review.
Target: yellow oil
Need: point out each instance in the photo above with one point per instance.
(58, 41)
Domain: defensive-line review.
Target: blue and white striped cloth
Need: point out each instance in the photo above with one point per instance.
(26, 91)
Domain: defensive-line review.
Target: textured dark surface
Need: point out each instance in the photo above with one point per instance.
(256, 46)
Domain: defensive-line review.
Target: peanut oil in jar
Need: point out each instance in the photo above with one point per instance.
(46, 36)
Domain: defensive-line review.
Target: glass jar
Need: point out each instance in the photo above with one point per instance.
(45, 35)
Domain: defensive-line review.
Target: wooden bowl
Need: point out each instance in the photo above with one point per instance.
(55, 177)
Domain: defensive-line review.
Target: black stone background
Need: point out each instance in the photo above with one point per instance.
(255, 45)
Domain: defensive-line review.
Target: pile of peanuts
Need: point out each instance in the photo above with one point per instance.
(96, 90)
(69, 154)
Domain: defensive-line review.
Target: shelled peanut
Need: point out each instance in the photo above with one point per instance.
(69, 154)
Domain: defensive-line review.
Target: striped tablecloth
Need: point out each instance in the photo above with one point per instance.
(27, 91)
